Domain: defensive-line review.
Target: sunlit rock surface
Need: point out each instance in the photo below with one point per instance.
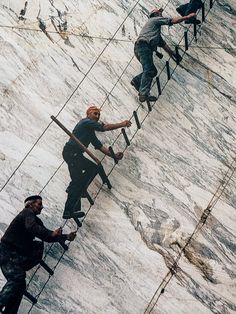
(135, 232)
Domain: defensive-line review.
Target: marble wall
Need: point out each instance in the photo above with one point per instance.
(168, 176)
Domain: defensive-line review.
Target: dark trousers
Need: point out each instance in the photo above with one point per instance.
(190, 7)
(14, 267)
(82, 171)
(12, 293)
(144, 53)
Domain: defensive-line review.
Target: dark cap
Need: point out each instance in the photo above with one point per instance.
(33, 198)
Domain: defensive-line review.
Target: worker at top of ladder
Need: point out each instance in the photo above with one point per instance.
(148, 41)
(82, 170)
(19, 252)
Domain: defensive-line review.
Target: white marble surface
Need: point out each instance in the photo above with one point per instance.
(168, 175)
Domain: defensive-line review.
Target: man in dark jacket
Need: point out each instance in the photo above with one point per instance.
(81, 169)
(148, 41)
(188, 8)
(19, 252)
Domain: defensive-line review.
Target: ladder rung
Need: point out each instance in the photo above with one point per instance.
(46, 267)
(149, 105)
(177, 54)
(168, 69)
(195, 30)
(186, 40)
(104, 177)
(125, 137)
(203, 12)
(158, 85)
(137, 119)
(65, 246)
(30, 297)
(89, 198)
(113, 155)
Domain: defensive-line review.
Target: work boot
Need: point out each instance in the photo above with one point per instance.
(193, 20)
(135, 85)
(76, 214)
(143, 98)
(176, 58)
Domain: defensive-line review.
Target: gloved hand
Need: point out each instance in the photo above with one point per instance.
(119, 155)
(57, 232)
(71, 236)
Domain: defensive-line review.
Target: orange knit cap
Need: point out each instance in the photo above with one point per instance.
(92, 108)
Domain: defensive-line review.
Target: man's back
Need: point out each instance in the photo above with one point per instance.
(151, 32)
(22, 230)
(85, 132)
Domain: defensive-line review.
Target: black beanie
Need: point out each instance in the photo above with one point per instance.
(33, 198)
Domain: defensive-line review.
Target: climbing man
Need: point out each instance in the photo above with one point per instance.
(82, 170)
(188, 8)
(19, 252)
(148, 41)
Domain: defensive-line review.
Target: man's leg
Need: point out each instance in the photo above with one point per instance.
(145, 55)
(12, 307)
(90, 171)
(136, 81)
(74, 188)
(12, 292)
(82, 171)
(72, 159)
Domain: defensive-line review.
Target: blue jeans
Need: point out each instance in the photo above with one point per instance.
(144, 53)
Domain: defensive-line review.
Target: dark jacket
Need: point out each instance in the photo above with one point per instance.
(85, 132)
(23, 229)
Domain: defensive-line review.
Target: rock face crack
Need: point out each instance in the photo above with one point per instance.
(162, 235)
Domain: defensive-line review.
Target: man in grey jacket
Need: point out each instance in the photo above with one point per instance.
(148, 41)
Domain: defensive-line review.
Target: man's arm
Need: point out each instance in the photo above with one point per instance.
(179, 19)
(38, 230)
(114, 126)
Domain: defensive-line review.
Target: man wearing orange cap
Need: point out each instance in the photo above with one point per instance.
(148, 41)
(81, 169)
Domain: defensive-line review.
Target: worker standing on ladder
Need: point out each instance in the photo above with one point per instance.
(148, 41)
(82, 170)
(19, 252)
